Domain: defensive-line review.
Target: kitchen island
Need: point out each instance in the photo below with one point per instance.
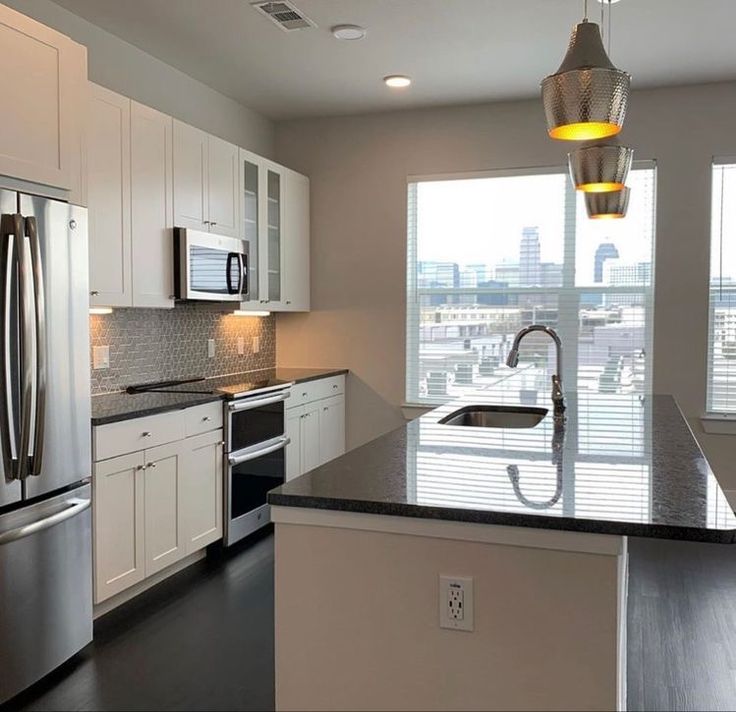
(535, 519)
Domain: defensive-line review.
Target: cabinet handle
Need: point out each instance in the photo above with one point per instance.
(213, 223)
(206, 418)
(288, 301)
(205, 222)
(304, 395)
(151, 464)
(334, 387)
(146, 434)
(140, 467)
(93, 293)
(325, 408)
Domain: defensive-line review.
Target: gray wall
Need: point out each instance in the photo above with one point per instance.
(130, 71)
(358, 168)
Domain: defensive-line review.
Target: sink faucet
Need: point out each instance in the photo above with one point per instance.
(512, 361)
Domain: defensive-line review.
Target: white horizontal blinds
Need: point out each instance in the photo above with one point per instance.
(488, 255)
(721, 396)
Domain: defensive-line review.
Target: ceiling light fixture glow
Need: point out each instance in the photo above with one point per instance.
(99, 311)
(397, 81)
(245, 312)
(350, 33)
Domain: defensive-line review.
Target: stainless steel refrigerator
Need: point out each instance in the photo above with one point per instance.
(45, 491)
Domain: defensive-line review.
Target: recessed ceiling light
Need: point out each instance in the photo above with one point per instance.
(349, 32)
(397, 81)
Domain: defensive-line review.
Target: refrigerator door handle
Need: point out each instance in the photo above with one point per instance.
(11, 227)
(40, 376)
(28, 336)
(74, 506)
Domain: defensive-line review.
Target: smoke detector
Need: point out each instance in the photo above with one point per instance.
(284, 14)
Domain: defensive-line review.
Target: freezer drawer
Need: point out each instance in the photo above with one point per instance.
(45, 587)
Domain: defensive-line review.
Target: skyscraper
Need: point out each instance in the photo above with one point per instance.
(605, 251)
(529, 258)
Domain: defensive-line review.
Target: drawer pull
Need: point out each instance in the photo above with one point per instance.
(206, 418)
(151, 464)
(334, 387)
(304, 395)
(140, 467)
(146, 434)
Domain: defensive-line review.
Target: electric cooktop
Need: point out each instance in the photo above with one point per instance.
(229, 386)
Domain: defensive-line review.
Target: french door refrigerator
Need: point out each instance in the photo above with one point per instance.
(45, 491)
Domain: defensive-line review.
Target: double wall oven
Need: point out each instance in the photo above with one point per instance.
(255, 445)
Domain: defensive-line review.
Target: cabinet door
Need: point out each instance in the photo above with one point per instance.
(222, 183)
(296, 242)
(41, 84)
(164, 540)
(108, 168)
(252, 187)
(294, 419)
(310, 437)
(117, 487)
(152, 211)
(201, 502)
(331, 428)
(270, 260)
(190, 177)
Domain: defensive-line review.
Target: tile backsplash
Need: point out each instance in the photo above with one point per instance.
(159, 344)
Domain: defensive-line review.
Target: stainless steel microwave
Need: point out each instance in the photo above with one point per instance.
(210, 267)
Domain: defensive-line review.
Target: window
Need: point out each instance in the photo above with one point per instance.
(490, 254)
(721, 396)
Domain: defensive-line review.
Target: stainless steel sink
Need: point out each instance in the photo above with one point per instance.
(495, 416)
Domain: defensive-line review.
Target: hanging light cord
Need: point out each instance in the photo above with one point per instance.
(585, 10)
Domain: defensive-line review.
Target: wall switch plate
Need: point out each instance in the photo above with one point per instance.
(241, 346)
(256, 344)
(101, 357)
(211, 348)
(456, 603)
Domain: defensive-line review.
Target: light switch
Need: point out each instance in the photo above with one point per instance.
(101, 357)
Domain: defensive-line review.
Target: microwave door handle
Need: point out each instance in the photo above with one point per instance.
(40, 381)
(257, 402)
(228, 279)
(243, 260)
(253, 454)
(10, 228)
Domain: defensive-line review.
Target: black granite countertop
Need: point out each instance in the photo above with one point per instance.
(621, 465)
(114, 407)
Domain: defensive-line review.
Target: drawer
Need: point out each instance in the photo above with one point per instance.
(202, 418)
(302, 393)
(137, 434)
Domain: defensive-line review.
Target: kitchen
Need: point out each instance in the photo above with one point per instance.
(164, 150)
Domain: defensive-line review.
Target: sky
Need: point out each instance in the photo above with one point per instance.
(480, 220)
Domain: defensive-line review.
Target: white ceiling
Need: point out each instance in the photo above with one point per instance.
(456, 51)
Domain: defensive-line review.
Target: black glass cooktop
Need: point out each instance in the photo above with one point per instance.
(235, 386)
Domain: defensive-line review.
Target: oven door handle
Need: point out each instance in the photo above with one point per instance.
(251, 403)
(253, 454)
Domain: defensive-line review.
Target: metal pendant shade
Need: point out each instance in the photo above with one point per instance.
(600, 168)
(602, 206)
(586, 98)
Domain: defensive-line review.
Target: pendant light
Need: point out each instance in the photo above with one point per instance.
(607, 206)
(586, 98)
(599, 167)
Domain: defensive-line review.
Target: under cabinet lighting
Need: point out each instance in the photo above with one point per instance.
(100, 310)
(397, 81)
(244, 312)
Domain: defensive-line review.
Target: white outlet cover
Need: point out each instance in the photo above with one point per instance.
(211, 348)
(101, 357)
(256, 344)
(241, 346)
(456, 603)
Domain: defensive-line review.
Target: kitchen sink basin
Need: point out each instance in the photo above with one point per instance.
(495, 416)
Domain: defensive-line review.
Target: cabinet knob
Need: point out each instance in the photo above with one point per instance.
(206, 418)
(304, 395)
(140, 467)
(93, 293)
(205, 222)
(213, 223)
(152, 465)
(146, 434)
(288, 301)
(334, 387)
(325, 408)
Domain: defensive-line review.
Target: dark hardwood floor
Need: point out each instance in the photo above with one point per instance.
(203, 640)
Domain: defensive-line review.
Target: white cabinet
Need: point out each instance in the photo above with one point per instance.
(130, 194)
(152, 207)
(295, 242)
(108, 169)
(117, 488)
(201, 496)
(206, 183)
(154, 506)
(315, 423)
(162, 496)
(43, 84)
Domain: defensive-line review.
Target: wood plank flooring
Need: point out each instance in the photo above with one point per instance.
(204, 639)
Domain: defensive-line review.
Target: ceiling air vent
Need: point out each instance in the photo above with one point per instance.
(284, 14)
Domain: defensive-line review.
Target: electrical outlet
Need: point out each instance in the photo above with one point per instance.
(256, 344)
(241, 346)
(101, 357)
(456, 603)
(211, 348)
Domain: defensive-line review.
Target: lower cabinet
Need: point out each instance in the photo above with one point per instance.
(316, 428)
(154, 507)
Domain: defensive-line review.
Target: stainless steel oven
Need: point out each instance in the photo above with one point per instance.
(255, 443)
(210, 267)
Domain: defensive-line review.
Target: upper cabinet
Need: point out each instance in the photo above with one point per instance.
(130, 202)
(295, 242)
(44, 82)
(206, 183)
